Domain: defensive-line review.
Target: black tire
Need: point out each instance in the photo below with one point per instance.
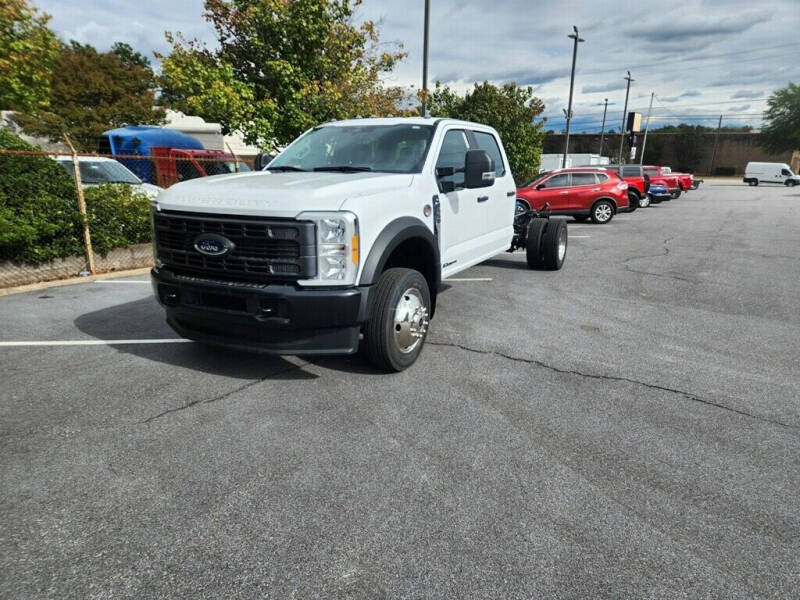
(644, 201)
(754, 182)
(580, 218)
(533, 242)
(554, 244)
(602, 212)
(676, 194)
(633, 201)
(790, 183)
(380, 344)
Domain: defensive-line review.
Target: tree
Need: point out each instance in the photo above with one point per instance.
(782, 131)
(27, 52)
(94, 91)
(280, 68)
(511, 110)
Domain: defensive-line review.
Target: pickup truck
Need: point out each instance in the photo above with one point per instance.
(664, 175)
(341, 243)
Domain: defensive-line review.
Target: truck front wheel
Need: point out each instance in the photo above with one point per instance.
(398, 319)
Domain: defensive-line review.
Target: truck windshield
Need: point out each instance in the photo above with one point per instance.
(102, 171)
(355, 148)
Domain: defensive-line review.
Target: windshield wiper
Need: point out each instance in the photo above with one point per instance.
(344, 169)
(284, 168)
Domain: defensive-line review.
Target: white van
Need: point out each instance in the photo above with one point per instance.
(762, 172)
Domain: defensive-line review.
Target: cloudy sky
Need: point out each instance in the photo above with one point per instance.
(702, 58)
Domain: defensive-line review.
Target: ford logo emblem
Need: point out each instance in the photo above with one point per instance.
(212, 244)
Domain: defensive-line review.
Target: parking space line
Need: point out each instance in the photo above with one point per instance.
(469, 279)
(94, 342)
(123, 281)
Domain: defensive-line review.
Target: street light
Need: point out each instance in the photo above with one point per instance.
(624, 116)
(577, 40)
(425, 59)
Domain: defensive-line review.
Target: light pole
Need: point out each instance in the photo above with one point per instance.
(624, 116)
(647, 127)
(425, 59)
(577, 40)
(603, 129)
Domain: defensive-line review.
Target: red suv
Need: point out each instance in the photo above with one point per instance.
(580, 193)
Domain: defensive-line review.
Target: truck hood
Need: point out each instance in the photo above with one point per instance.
(277, 194)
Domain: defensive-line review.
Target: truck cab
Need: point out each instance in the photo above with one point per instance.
(341, 243)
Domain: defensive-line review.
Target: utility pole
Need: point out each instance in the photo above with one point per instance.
(577, 40)
(714, 152)
(603, 129)
(646, 127)
(425, 59)
(624, 116)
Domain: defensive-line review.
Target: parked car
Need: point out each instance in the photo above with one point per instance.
(638, 183)
(174, 165)
(664, 175)
(341, 243)
(761, 172)
(582, 193)
(97, 170)
(658, 193)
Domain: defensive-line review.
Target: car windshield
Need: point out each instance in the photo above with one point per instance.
(539, 177)
(354, 148)
(102, 171)
(213, 167)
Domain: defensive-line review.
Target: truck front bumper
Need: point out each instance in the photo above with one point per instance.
(269, 318)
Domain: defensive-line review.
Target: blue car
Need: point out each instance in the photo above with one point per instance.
(658, 192)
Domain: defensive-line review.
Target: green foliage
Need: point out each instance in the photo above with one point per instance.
(782, 133)
(280, 68)
(39, 218)
(118, 216)
(511, 110)
(27, 52)
(94, 91)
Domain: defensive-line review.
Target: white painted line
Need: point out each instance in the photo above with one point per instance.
(469, 279)
(96, 342)
(125, 280)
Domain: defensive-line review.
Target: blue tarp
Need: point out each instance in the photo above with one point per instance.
(138, 139)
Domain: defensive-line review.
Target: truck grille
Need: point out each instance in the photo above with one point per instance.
(262, 248)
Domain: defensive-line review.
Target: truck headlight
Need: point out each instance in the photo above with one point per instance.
(337, 248)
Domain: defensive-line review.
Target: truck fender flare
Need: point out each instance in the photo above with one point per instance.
(395, 233)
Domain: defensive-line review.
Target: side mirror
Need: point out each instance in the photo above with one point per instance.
(446, 171)
(541, 186)
(478, 169)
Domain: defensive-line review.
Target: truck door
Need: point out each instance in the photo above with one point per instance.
(496, 211)
(459, 208)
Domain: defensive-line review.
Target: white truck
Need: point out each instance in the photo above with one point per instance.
(341, 243)
(762, 172)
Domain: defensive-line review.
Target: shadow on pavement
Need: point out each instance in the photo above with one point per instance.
(144, 319)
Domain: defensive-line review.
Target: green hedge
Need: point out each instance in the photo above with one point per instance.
(39, 218)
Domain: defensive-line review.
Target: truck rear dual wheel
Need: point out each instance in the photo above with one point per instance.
(546, 244)
(398, 320)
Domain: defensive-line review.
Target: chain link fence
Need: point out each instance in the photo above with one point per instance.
(144, 176)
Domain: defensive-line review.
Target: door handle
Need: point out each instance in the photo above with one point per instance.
(483, 198)
(595, 189)
(562, 193)
(512, 193)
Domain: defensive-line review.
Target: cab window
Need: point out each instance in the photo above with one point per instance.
(453, 154)
(561, 180)
(631, 172)
(583, 179)
(486, 141)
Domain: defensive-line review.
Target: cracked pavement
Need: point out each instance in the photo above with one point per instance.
(626, 427)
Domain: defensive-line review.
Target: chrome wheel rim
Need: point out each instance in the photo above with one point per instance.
(644, 201)
(562, 244)
(519, 208)
(410, 321)
(603, 213)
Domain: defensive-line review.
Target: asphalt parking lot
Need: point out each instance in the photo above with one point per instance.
(626, 427)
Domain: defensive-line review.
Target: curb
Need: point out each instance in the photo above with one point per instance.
(32, 287)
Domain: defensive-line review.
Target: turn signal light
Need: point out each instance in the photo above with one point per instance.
(354, 247)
